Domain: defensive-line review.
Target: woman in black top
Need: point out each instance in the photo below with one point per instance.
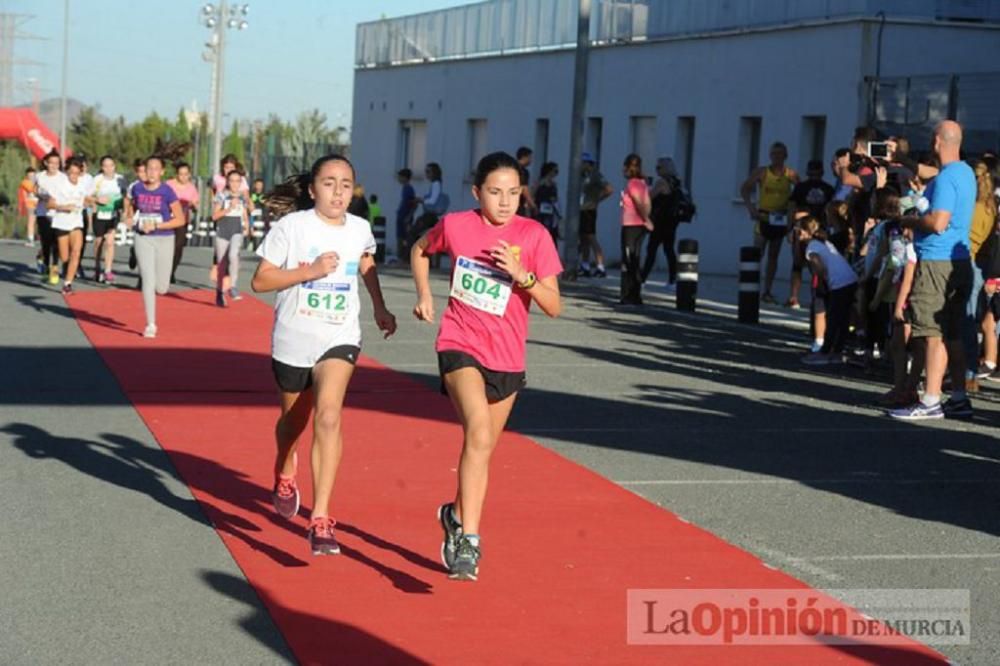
(663, 199)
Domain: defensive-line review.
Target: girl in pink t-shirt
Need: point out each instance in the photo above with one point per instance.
(501, 262)
(187, 193)
(635, 222)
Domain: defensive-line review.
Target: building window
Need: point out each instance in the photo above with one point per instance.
(541, 142)
(412, 148)
(642, 138)
(748, 148)
(592, 140)
(684, 149)
(476, 143)
(812, 142)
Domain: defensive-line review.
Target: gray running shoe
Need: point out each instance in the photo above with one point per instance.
(321, 538)
(466, 565)
(285, 497)
(452, 532)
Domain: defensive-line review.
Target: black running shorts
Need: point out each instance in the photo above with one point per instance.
(499, 385)
(293, 379)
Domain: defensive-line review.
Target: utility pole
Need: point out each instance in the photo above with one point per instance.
(218, 19)
(65, 69)
(220, 68)
(9, 35)
(573, 189)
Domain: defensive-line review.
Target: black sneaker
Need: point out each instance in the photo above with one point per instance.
(466, 565)
(452, 533)
(600, 273)
(220, 299)
(984, 371)
(583, 272)
(957, 409)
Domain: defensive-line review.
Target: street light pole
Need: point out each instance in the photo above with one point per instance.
(573, 188)
(65, 67)
(220, 59)
(218, 19)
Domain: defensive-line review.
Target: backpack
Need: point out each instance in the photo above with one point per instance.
(988, 256)
(440, 206)
(683, 209)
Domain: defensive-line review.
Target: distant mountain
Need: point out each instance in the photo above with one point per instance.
(48, 111)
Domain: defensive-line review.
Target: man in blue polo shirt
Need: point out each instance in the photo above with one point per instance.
(943, 279)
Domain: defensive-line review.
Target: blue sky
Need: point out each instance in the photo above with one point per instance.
(133, 57)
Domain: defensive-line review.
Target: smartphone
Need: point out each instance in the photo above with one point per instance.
(878, 149)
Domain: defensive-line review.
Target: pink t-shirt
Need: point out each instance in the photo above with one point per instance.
(188, 194)
(636, 187)
(496, 341)
(219, 183)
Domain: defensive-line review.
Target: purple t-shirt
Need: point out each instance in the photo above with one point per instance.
(154, 201)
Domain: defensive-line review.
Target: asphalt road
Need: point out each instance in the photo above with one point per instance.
(105, 556)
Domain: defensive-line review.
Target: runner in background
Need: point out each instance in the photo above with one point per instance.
(139, 169)
(187, 194)
(45, 182)
(27, 201)
(227, 164)
(155, 212)
(312, 258)
(258, 221)
(68, 198)
(231, 214)
(502, 263)
(109, 193)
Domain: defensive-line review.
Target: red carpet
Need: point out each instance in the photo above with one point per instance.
(561, 544)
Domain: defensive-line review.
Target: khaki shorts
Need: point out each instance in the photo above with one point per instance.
(939, 296)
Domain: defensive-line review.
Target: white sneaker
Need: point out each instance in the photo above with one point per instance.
(150, 331)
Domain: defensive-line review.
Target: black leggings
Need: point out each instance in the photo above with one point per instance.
(838, 318)
(47, 235)
(664, 234)
(631, 279)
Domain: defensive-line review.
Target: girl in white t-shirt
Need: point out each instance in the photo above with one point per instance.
(314, 258)
(841, 281)
(68, 197)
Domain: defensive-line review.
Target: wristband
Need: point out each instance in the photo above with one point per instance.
(529, 281)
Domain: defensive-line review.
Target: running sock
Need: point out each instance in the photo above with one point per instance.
(991, 366)
(473, 539)
(930, 400)
(585, 265)
(600, 267)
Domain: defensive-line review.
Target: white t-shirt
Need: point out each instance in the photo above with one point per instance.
(88, 183)
(312, 317)
(839, 273)
(45, 183)
(66, 193)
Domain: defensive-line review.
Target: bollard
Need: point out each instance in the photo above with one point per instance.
(378, 230)
(687, 274)
(202, 234)
(257, 233)
(749, 300)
